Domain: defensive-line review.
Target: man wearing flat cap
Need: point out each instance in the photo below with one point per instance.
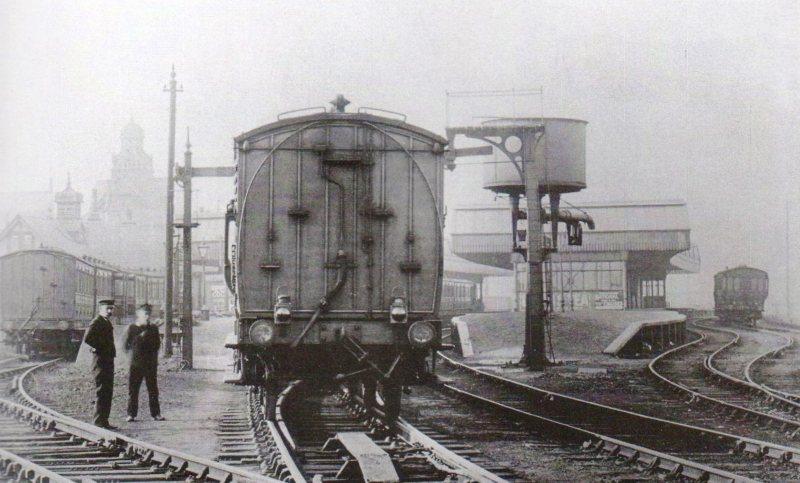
(100, 338)
(143, 342)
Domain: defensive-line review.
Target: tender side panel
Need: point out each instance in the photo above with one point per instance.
(291, 224)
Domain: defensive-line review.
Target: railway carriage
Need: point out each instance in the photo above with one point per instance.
(459, 297)
(49, 298)
(336, 257)
(124, 294)
(739, 295)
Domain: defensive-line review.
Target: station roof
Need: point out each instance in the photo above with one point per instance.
(608, 216)
(482, 233)
(457, 267)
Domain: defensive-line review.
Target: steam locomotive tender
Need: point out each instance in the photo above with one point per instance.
(739, 295)
(48, 298)
(336, 260)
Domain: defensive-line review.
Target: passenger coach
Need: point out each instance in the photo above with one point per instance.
(48, 298)
(739, 295)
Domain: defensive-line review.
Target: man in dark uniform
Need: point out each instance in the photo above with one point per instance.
(100, 338)
(143, 342)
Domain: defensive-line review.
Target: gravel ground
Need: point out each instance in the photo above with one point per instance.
(192, 401)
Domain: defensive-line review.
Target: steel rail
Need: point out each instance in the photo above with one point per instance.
(414, 437)
(788, 344)
(771, 450)
(36, 411)
(286, 446)
(736, 443)
(458, 463)
(11, 371)
(283, 445)
(25, 470)
(632, 453)
(748, 385)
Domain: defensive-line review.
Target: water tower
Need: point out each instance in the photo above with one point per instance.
(533, 157)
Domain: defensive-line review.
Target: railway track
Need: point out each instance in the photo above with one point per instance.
(737, 369)
(320, 435)
(725, 378)
(782, 382)
(655, 445)
(514, 440)
(40, 444)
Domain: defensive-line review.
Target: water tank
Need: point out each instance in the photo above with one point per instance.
(560, 157)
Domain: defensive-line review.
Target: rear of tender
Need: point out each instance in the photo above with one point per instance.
(337, 263)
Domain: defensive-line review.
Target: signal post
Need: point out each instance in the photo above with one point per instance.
(169, 277)
(185, 174)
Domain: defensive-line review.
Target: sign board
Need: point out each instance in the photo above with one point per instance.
(218, 291)
(219, 297)
(609, 300)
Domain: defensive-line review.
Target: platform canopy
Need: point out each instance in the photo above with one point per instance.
(460, 268)
(655, 231)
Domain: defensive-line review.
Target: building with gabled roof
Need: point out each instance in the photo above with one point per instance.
(13, 203)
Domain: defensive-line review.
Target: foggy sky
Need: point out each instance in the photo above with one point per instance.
(690, 100)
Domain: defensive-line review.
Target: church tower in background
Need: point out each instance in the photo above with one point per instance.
(131, 203)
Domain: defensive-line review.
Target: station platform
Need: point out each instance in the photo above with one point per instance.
(581, 340)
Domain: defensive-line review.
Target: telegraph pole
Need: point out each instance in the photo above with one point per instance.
(169, 278)
(788, 268)
(187, 225)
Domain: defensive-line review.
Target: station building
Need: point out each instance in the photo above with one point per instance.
(621, 264)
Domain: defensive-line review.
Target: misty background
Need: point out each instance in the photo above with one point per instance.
(685, 100)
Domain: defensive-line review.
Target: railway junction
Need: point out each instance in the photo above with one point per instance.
(737, 400)
(349, 342)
